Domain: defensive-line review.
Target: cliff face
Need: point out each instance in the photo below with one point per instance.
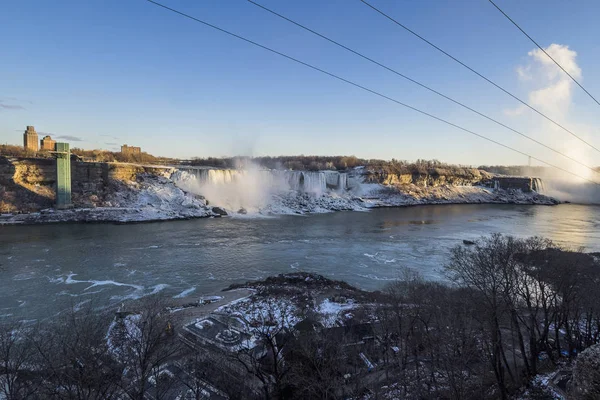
(28, 185)
(433, 178)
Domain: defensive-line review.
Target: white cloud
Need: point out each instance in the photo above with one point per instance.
(551, 92)
(514, 112)
(554, 96)
(524, 72)
(563, 55)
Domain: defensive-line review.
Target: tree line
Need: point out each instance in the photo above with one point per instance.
(339, 163)
(297, 163)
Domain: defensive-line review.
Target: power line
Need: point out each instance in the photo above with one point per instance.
(480, 75)
(420, 84)
(540, 47)
(362, 87)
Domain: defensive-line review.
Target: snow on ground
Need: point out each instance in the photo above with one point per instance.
(122, 331)
(330, 311)
(541, 385)
(258, 311)
(415, 195)
(370, 196)
(151, 198)
(204, 324)
(256, 197)
(292, 202)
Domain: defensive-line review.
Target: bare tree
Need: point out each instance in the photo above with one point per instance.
(317, 363)
(144, 341)
(210, 369)
(266, 361)
(486, 270)
(17, 380)
(586, 374)
(73, 358)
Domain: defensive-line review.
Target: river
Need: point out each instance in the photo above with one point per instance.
(45, 268)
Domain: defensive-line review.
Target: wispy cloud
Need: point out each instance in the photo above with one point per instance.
(514, 112)
(16, 99)
(64, 137)
(12, 103)
(111, 137)
(111, 144)
(524, 72)
(6, 106)
(71, 138)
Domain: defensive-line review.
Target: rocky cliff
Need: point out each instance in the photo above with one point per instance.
(430, 178)
(29, 184)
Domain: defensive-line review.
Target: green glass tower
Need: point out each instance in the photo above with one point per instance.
(63, 175)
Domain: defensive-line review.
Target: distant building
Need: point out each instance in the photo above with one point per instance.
(30, 139)
(131, 150)
(47, 143)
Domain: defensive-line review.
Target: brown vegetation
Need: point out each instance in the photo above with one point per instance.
(340, 163)
(8, 150)
(89, 155)
(113, 156)
(515, 170)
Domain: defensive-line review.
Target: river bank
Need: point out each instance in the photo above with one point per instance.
(153, 198)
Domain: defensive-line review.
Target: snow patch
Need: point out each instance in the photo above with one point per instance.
(331, 310)
(185, 293)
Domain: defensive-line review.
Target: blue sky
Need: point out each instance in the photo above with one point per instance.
(112, 72)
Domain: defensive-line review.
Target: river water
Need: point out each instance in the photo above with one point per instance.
(45, 268)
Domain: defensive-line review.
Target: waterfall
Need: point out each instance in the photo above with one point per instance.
(306, 181)
(294, 179)
(538, 185)
(209, 176)
(343, 181)
(332, 179)
(273, 180)
(253, 188)
(313, 182)
(224, 176)
(336, 180)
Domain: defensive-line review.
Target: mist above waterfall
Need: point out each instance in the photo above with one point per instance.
(557, 184)
(574, 192)
(231, 189)
(565, 187)
(252, 187)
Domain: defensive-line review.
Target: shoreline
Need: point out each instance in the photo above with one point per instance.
(128, 215)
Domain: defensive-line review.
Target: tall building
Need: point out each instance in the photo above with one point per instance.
(130, 150)
(47, 143)
(30, 139)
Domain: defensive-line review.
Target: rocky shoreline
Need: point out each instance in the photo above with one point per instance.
(158, 199)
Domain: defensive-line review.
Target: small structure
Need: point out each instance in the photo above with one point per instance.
(63, 176)
(225, 334)
(525, 184)
(30, 139)
(47, 143)
(131, 150)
